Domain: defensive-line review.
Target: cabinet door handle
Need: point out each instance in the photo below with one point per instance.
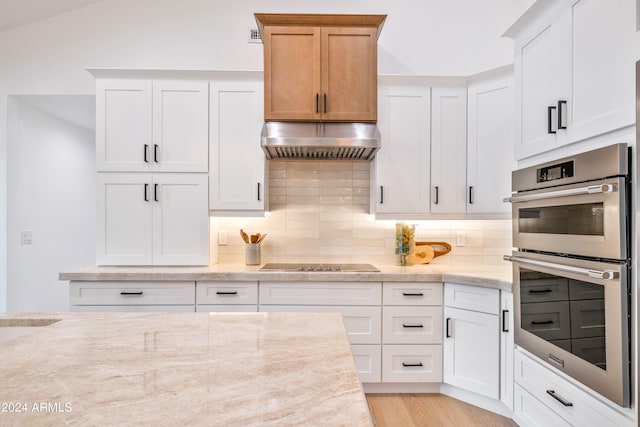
(543, 322)
(226, 292)
(155, 153)
(550, 119)
(146, 153)
(325, 103)
(447, 333)
(381, 194)
(411, 364)
(540, 291)
(155, 192)
(470, 194)
(146, 190)
(404, 325)
(258, 191)
(553, 394)
(408, 294)
(437, 195)
(317, 102)
(505, 327)
(561, 103)
(131, 293)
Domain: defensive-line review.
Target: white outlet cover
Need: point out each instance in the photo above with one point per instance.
(222, 237)
(461, 239)
(26, 237)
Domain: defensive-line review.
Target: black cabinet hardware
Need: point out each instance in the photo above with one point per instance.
(409, 294)
(155, 153)
(437, 195)
(561, 104)
(447, 333)
(470, 194)
(550, 119)
(505, 327)
(131, 293)
(381, 194)
(553, 394)
(317, 102)
(146, 189)
(540, 291)
(406, 365)
(155, 192)
(542, 322)
(146, 151)
(258, 191)
(404, 325)
(325, 103)
(226, 292)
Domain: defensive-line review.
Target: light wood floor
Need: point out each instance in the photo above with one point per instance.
(409, 410)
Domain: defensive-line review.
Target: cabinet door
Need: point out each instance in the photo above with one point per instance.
(448, 150)
(123, 125)
(237, 172)
(124, 213)
(543, 67)
(490, 146)
(603, 68)
(180, 126)
(292, 73)
(402, 164)
(180, 219)
(506, 349)
(349, 74)
(471, 351)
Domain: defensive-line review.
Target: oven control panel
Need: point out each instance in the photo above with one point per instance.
(557, 171)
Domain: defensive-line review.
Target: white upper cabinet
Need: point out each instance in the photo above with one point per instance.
(490, 146)
(448, 150)
(237, 173)
(144, 125)
(400, 171)
(574, 73)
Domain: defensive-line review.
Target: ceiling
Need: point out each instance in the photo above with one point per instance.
(14, 13)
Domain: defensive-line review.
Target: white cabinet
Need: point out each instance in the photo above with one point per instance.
(152, 219)
(573, 83)
(506, 349)
(448, 150)
(144, 125)
(237, 172)
(472, 343)
(411, 363)
(227, 296)
(400, 171)
(489, 146)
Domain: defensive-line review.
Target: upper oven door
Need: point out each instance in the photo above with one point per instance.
(586, 219)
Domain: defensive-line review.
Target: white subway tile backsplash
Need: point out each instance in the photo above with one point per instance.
(319, 212)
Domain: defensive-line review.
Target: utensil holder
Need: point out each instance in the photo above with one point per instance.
(252, 254)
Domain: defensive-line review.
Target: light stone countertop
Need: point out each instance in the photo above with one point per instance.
(226, 369)
(492, 276)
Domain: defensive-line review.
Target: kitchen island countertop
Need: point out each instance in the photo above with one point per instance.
(181, 369)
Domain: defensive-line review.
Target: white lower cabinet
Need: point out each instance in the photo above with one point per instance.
(506, 349)
(367, 359)
(472, 339)
(227, 296)
(545, 397)
(411, 363)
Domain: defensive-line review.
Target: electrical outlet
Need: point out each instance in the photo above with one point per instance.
(222, 237)
(461, 239)
(26, 237)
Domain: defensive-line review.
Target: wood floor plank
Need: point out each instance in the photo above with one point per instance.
(432, 410)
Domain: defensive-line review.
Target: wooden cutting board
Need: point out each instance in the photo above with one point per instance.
(425, 252)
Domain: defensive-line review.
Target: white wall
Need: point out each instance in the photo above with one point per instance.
(420, 37)
(51, 179)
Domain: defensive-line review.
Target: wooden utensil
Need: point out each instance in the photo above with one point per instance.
(244, 236)
(425, 252)
(262, 237)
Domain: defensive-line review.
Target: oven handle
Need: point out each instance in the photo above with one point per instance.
(592, 189)
(595, 274)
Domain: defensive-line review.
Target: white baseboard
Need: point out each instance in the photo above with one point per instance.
(401, 387)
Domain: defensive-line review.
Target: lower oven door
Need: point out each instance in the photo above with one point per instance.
(573, 314)
(586, 219)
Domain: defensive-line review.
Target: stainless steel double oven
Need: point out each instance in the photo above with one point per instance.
(571, 228)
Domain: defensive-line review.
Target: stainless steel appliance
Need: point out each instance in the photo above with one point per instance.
(571, 284)
(308, 267)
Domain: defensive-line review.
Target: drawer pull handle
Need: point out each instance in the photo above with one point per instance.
(553, 394)
(404, 325)
(408, 294)
(540, 291)
(542, 322)
(411, 365)
(226, 292)
(505, 326)
(131, 293)
(447, 333)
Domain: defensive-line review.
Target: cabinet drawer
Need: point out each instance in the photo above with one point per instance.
(587, 410)
(412, 325)
(368, 360)
(132, 293)
(411, 363)
(227, 293)
(220, 308)
(321, 293)
(529, 411)
(476, 298)
(399, 293)
(132, 308)
(361, 323)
